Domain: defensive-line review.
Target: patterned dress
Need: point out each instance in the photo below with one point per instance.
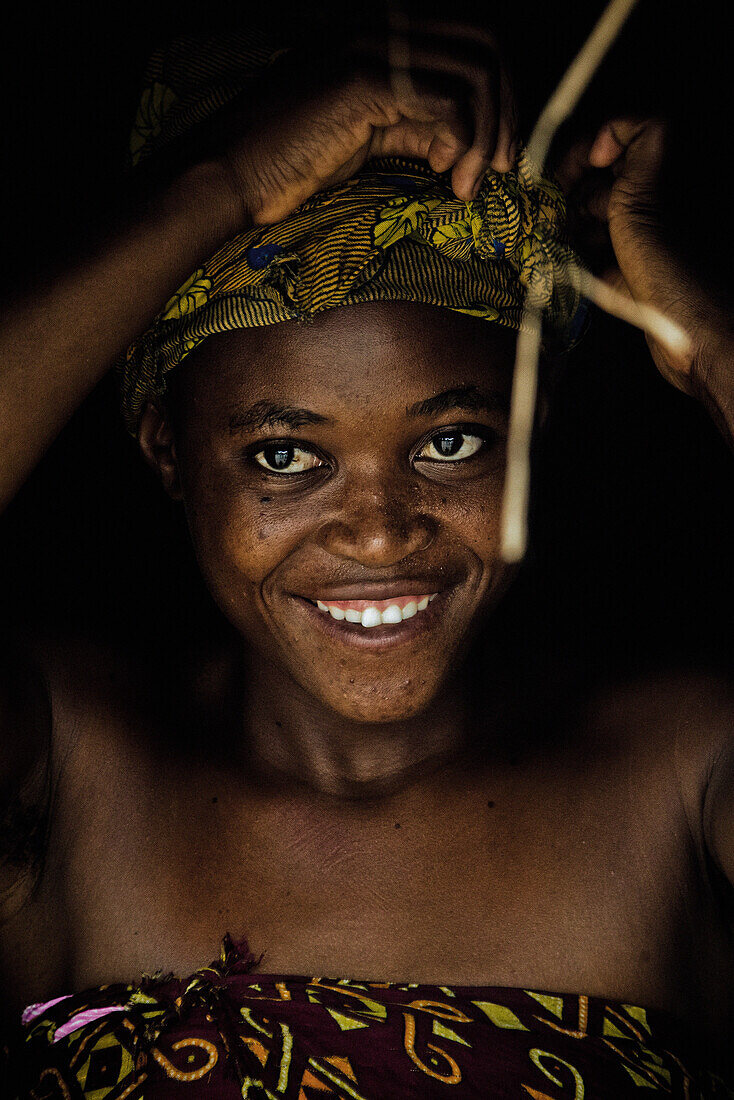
(227, 1032)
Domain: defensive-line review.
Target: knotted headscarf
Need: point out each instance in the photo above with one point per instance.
(394, 232)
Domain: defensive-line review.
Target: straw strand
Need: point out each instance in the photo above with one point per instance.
(514, 520)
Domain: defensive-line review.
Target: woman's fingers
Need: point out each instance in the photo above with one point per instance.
(453, 76)
(468, 173)
(483, 54)
(574, 164)
(587, 187)
(444, 151)
(614, 138)
(431, 141)
(427, 126)
(439, 93)
(588, 192)
(631, 146)
(506, 149)
(605, 148)
(611, 184)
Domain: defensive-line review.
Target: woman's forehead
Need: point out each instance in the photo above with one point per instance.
(391, 351)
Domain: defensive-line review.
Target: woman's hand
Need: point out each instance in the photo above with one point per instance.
(429, 90)
(612, 187)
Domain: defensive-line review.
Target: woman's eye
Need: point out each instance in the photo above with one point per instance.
(286, 458)
(451, 446)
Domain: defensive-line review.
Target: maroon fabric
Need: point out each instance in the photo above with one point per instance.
(227, 1032)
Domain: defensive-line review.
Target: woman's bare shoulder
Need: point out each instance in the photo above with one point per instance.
(112, 684)
(690, 708)
(67, 699)
(78, 710)
(674, 724)
(85, 678)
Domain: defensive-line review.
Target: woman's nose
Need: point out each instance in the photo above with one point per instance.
(378, 528)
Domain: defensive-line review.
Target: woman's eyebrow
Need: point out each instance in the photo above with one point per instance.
(470, 398)
(269, 414)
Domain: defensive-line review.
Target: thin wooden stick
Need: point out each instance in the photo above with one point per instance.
(575, 80)
(515, 498)
(628, 309)
(514, 521)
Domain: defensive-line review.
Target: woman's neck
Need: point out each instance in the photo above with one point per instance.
(291, 736)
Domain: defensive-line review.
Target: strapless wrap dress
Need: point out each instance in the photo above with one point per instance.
(230, 1032)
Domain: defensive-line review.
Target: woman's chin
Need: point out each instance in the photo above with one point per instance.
(376, 703)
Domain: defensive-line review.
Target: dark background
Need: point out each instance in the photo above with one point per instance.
(633, 521)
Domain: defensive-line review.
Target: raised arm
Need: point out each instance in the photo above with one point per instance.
(626, 204)
(271, 151)
(58, 343)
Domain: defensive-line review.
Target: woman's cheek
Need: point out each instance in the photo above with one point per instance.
(475, 517)
(247, 535)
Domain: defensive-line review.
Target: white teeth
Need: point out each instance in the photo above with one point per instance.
(392, 614)
(371, 617)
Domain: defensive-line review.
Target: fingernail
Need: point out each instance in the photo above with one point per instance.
(476, 188)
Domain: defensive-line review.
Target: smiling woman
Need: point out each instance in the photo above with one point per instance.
(342, 241)
(369, 469)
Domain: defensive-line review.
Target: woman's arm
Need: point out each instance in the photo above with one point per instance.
(56, 344)
(627, 207)
(266, 153)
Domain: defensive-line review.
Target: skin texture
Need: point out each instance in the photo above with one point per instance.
(377, 517)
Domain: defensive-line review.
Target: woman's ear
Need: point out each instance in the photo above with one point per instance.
(158, 446)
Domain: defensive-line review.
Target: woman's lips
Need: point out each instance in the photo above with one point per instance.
(355, 622)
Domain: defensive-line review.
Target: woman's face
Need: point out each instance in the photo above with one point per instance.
(347, 473)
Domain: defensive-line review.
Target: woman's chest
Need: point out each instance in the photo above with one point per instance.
(521, 882)
(559, 874)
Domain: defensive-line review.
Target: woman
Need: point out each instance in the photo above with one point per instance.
(510, 915)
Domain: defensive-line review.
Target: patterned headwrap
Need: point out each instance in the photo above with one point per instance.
(394, 232)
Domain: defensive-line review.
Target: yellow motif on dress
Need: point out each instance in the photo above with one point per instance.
(187, 1044)
(451, 1078)
(537, 1057)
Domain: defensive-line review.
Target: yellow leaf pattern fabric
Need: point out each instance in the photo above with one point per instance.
(192, 295)
(155, 102)
(400, 218)
(394, 232)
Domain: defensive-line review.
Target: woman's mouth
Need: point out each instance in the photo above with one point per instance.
(372, 623)
(372, 613)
